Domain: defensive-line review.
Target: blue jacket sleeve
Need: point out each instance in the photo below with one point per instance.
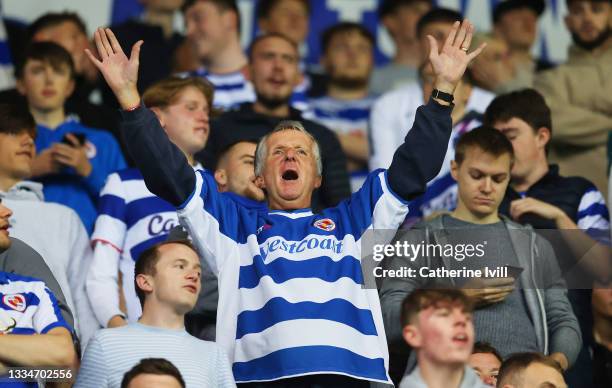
(164, 167)
(420, 158)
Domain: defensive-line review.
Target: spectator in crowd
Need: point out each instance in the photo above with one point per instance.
(53, 230)
(290, 18)
(400, 18)
(153, 372)
(602, 333)
(33, 333)
(72, 160)
(495, 66)
(528, 313)
(485, 360)
(274, 71)
(438, 325)
(213, 31)
(288, 167)
(67, 29)
(539, 196)
(581, 115)
(394, 111)
(167, 282)
(515, 23)
(19, 258)
(131, 217)
(156, 27)
(527, 370)
(348, 58)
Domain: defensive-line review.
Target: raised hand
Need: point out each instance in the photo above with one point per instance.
(119, 72)
(450, 62)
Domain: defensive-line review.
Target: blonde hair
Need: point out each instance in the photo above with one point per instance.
(165, 92)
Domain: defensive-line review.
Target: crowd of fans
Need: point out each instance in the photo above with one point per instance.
(177, 211)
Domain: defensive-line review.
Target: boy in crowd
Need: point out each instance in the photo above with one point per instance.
(438, 325)
(485, 360)
(348, 58)
(167, 282)
(72, 160)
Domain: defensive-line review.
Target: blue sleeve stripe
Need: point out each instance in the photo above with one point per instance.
(23, 331)
(141, 247)
(402, 200)
(53, 325)
(112, 206)
(279, 310)
(305, 359)
(596, 209)
(56, 310)
(282, 270)
(144, 207)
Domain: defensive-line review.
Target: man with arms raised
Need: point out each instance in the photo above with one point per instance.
(288, 270)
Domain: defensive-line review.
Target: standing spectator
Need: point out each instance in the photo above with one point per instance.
(32, 330)
(438, 325)
(581, 114)
(156, 27)
(348, 57)
(213, 31)
(528, 370)
(274, 71)
(400, 18)
(167, 281)
(394, 111)
(53, 230)
(19, 258)
(131, 217)
(602, 333)
(485, 360)
(262, 317)
(153, 372)
(72, 160)
(528, 313)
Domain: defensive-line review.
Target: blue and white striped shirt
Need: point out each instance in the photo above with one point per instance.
(291, 299)
(112, 352)
(231, 89)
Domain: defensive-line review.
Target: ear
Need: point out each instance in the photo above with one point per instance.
(69, 89)
(259, 182)
(543, 136)
(160, 116)
(412, 336)
(318, 180)
(20, 87)
(221, 177)
(454, 170)
(144, 282)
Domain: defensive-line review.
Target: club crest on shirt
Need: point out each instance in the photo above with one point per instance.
(325, 224)
(16, 302)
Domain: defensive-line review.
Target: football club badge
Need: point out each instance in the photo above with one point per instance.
(325, 224)
(16, 302)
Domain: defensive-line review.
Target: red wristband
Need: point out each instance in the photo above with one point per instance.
(132, 108)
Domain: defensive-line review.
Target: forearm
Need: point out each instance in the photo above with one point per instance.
(565, 342)
(419, 159)
(164, 167)
(37, 350)
(102, 283)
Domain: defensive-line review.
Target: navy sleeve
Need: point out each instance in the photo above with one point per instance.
(420, 158)
(164, 167)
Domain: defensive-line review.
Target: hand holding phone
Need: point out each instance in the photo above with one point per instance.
(80, 137)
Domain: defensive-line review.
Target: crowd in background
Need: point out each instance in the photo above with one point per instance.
(91, 248)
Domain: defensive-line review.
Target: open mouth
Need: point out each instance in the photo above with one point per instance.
(192, 289)
(290, 175)
(460, 338)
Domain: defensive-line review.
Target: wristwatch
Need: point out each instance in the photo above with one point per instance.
(447, 97)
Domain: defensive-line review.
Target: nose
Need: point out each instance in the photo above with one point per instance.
(290, 154)
(487, 185)
(5, 212)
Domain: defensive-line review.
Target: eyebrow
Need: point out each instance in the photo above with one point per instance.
(185, 261)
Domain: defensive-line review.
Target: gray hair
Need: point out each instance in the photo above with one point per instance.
(286, 125)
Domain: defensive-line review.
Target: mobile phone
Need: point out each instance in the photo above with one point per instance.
(80, 137)
(514, 272)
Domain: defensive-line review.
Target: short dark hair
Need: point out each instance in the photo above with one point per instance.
(388, 7)
(486, 348)
(15, 119)
(511, 371)
(487, 139)
(53, 19)
(503, 7)
(267, 35)
(526, 104)
(265, 7)
(345, 27)
(152, 366)
(146, 262)
(47, 52)
(437, 15)
(226, 148)
(222, 5)
(423, 298)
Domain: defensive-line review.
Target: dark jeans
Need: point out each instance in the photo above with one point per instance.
(313, 381)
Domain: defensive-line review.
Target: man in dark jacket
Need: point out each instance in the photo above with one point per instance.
(274, 72)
